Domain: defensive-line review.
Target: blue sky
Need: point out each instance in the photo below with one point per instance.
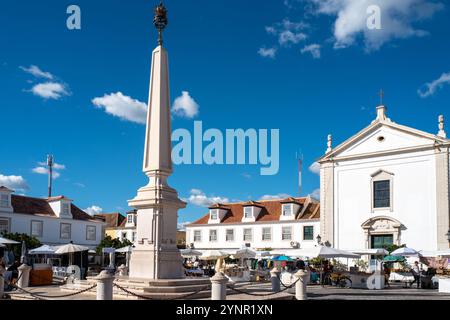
(240, 61)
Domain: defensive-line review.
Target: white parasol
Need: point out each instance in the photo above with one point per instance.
(324, 252)
(213, 255)
(375, 252)
(44, 249)
(186, 253)
(405, 252)
(245, 253)
(7, 241)
(70, 248)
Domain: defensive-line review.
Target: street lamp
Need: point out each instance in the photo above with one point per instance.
(319, 239)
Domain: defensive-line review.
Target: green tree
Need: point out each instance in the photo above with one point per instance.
(109, 242)
(30, 242)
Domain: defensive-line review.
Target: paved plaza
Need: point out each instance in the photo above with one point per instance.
(259, 291)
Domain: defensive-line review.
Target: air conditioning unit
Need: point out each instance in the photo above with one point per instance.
(295, 244)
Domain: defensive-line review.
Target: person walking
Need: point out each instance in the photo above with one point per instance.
(416, 274)
(387, 274)
(300, 264)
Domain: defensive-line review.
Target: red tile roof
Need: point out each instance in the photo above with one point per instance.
(40, 206)
(112, 220)
(271, 210)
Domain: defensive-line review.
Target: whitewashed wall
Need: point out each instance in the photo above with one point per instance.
(256, 243)
(21, 223)
(414, 198)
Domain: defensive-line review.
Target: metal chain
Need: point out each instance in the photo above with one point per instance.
(286, 286)
(149, 298)
(264, 294)
(41, 296)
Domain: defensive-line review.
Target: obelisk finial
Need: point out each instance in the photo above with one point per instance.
(160, 20)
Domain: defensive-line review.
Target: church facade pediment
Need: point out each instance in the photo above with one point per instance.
(383, 136)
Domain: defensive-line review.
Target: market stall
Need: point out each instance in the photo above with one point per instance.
(362, 278)
(240, 272)
(325, 252)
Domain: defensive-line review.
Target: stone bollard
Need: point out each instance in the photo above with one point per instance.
(300, 286)
(24, 276)
(123, 270)
(219, 286)
(104, 285)
(275, 279)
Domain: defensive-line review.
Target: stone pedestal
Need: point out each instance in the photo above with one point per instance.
(219, 286)
(444, 285)
(300, 286)
(24, 276)
(275, 279)
(104, 286)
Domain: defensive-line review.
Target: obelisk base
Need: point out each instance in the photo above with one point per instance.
(143, 263)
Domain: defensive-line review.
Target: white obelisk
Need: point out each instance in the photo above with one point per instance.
(156, 255)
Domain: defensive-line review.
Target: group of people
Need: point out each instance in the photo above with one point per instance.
(416, 271)
(198, 265)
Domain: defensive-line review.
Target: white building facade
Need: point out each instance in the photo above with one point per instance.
(53, 221)
(388, 184)
(127, 229)
(263, 225)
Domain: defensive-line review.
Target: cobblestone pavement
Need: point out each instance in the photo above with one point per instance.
(395, 292)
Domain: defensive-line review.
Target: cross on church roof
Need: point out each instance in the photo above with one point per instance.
(381, 96)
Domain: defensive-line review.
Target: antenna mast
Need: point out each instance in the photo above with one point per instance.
(50, 173)
(300, 164)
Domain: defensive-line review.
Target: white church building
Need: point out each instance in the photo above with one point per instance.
(387, 184)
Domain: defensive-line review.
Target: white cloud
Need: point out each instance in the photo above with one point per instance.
(314, 49)
(182, 225)
(246, 175)
(274, 196)
(185, 106)
(79, 184)
(13, 182)
(430, 88)
(123, 107)
(315, 168)
(56, 166)
(93, 210)
(198, 197)
(50, 90)
(37, 72)
(44, 170)
(285, 37)
(315, 194)
(288, 32)
(267, 52)
(397, 19)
